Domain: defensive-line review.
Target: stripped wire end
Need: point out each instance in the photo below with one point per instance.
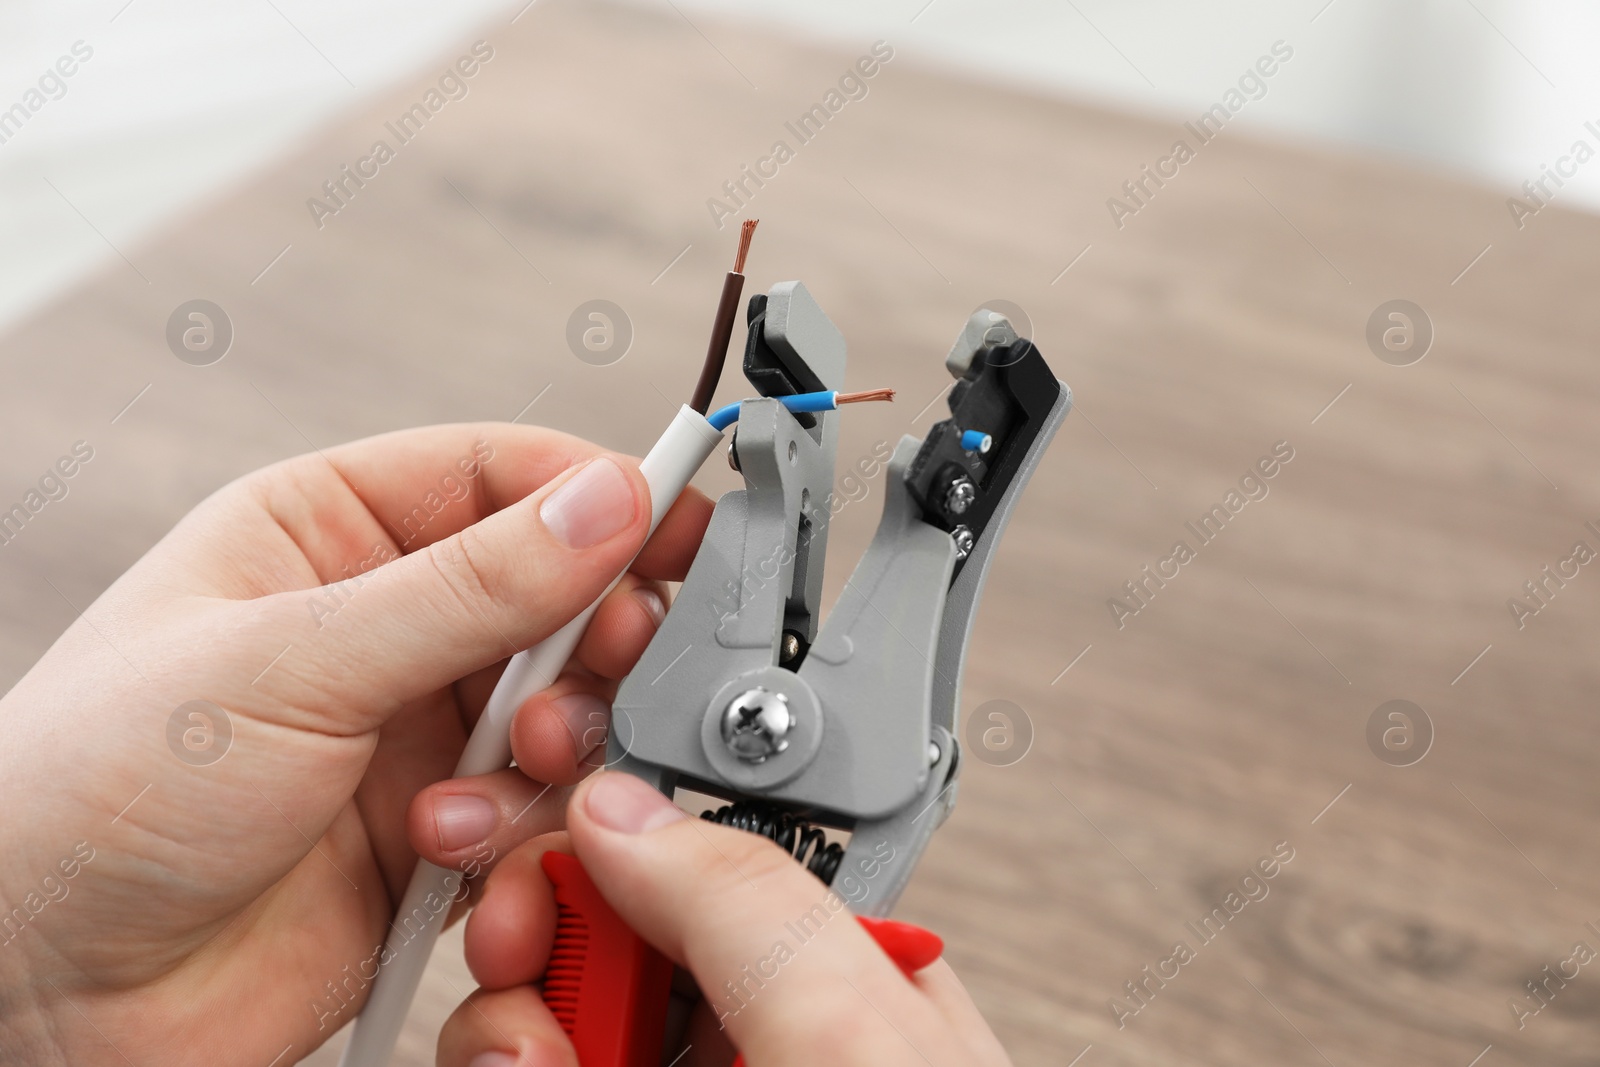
(864, 397)
(802, 403)
(747, 230)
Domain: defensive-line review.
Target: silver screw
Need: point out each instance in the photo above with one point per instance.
(789, 647)
(757, 724)
(959, 497)
(964, 541)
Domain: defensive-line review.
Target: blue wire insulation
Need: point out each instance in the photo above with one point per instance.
(976, 441)
(724, 417)
(811, 401)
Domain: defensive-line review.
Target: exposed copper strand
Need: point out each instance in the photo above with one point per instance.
(747, 230)
(864, 397)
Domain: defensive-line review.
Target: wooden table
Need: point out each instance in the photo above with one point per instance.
(1170, 754)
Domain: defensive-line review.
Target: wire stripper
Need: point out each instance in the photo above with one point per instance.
(805, 727)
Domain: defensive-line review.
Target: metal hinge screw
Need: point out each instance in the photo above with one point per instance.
(757, 724)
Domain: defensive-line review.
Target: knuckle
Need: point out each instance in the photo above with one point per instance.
(465, 574)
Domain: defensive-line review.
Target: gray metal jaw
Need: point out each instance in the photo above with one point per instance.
(874, 748)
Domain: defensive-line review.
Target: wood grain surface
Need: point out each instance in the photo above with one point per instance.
(1169, 754)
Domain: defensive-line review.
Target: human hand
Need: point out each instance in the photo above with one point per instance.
(715, 900)
(349, 613)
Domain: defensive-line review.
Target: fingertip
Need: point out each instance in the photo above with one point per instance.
(504, 1028)
(653, 604)
(461, 820)
(469, 824)
(447, 818)
(586, 719)
(602, 500)
(620, 803)
(509, 934)
(556, 734)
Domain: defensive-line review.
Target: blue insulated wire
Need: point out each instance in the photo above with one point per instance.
(724, 417)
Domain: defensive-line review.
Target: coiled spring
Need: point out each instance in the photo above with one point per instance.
(806, 843)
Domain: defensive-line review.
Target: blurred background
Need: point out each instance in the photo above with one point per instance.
(1376, 260)
(188, 99)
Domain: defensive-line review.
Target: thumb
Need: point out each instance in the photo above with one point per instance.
(775, 951)
(425, 620)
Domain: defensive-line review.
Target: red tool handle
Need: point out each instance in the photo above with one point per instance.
(608, 988)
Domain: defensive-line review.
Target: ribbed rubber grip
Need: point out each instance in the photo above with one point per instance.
(606, 987)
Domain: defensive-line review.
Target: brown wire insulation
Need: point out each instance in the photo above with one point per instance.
(722, 325)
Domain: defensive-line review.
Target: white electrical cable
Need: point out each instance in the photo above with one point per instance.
(673, 461)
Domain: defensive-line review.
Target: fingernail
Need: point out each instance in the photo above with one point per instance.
(653, 604)
(593, 505)
(534, 1054)
(462, 820)
(587, 718)
(621, 802)
(495, 1059)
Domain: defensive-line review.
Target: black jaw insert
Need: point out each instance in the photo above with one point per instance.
(1007, 392)
(768, 370)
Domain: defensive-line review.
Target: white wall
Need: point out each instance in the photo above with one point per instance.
(180, 99)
